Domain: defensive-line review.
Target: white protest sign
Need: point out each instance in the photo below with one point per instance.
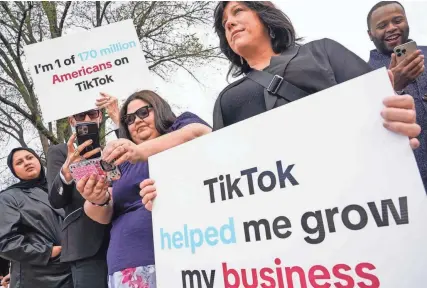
(70, 71)
(313, 194)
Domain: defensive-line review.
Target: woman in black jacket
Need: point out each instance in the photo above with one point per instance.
(261, 44)
(30, 228)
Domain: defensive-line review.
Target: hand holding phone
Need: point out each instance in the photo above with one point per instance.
(76, 155)
(407, 64)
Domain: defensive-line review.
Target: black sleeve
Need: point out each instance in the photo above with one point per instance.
(15, 246)
(60, 194)
(345, 64)
(4, 267)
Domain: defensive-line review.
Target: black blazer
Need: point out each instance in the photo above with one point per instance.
(81, 236)
(29, 228)
(312, 67)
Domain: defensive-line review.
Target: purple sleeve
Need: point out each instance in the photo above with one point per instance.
(185, 119)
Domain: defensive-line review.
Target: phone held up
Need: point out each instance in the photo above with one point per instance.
(94, 164)
(405, 50)
(88, 131)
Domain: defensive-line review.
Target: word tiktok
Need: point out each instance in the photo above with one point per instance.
(266, 181)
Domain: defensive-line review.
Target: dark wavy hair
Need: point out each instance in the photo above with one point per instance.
(271, 17)
(163, 115)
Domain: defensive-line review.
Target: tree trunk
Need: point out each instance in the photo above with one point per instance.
(45, 142)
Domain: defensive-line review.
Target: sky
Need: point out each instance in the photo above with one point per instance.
(341, 20)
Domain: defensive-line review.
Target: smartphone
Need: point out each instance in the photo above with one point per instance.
(404, 50)
(88, 131)
(95, 166)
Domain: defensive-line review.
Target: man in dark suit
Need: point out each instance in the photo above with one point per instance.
(84, 241)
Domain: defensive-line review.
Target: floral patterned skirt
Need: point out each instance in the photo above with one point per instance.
(139, 277)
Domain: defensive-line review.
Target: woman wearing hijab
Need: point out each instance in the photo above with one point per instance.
(30, 227)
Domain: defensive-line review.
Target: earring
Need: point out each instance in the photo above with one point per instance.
(241, 60)
(272, 34)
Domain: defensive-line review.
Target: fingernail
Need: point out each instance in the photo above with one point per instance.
(90, 141)
(386, 124)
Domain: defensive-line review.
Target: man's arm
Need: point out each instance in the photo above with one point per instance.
(60, 194)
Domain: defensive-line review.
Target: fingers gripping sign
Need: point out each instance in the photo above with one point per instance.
(148, 193)
(400, 116)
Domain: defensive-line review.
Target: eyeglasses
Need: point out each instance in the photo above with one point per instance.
(93, 114)
(142, 113)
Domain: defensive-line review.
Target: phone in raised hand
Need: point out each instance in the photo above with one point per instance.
(404, 50)
(88, 131)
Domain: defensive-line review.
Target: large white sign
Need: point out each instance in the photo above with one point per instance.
(313, 194)
(70, 71)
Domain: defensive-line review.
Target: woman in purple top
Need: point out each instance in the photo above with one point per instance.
(148, 126)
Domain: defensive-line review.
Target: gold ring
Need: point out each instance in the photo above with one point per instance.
(76, 153)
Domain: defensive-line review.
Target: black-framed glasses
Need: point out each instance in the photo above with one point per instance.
(142, 113)
(93, 114)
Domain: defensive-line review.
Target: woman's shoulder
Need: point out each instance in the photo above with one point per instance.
(10, 196)
(232, 85)
(325, 44)
(185, 119)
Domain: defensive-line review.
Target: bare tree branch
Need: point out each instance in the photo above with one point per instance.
(21, 24)
(64, 15)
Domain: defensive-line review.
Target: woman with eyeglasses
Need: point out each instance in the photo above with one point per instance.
(30, 227)
(149, 126)
(84, 241)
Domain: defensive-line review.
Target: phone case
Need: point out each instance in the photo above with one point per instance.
(404, 50)
(88, 131)
(93, 166)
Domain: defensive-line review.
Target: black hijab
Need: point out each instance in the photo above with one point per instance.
(39, 182)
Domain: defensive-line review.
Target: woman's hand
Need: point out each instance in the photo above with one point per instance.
(400, 116)
(94, 189)
(111, 105)
(5, 281)
(73, 155)
(148, 193)
(120, 151)
(56, 250)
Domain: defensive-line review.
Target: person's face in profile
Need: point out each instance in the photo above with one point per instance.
(388, 27)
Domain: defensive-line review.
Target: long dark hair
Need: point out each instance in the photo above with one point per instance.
(271, 17)
(163, 115)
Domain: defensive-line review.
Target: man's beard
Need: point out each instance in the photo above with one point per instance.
(382, 46)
